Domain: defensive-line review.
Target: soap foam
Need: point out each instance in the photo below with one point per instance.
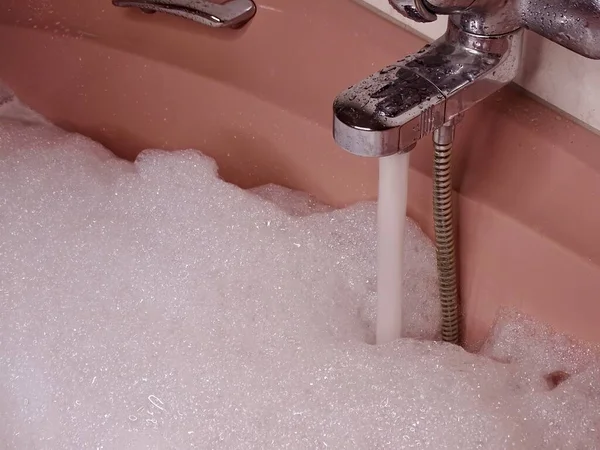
(151, 305)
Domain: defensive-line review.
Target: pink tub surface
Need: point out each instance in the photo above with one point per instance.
(259, 100)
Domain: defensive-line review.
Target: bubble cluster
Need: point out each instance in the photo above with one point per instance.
(151, 305)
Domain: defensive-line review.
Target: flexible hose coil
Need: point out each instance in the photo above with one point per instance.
(444, 232)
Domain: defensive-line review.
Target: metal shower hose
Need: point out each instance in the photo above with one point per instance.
(444, 232)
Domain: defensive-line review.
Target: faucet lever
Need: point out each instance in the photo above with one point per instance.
(231, 14)
(414, 10)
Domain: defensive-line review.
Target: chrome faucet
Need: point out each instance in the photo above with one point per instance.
(428, 92)
(389, 111)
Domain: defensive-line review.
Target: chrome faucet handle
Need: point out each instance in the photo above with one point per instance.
(231, 14)
(413, 10)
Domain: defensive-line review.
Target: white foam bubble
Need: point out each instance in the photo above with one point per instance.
(152, 305)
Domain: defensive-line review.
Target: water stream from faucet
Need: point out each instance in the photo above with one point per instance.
(391, 219)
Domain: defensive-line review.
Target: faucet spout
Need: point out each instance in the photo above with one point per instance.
(389, 111)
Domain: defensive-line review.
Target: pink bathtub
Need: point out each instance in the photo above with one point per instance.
(259, 100)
